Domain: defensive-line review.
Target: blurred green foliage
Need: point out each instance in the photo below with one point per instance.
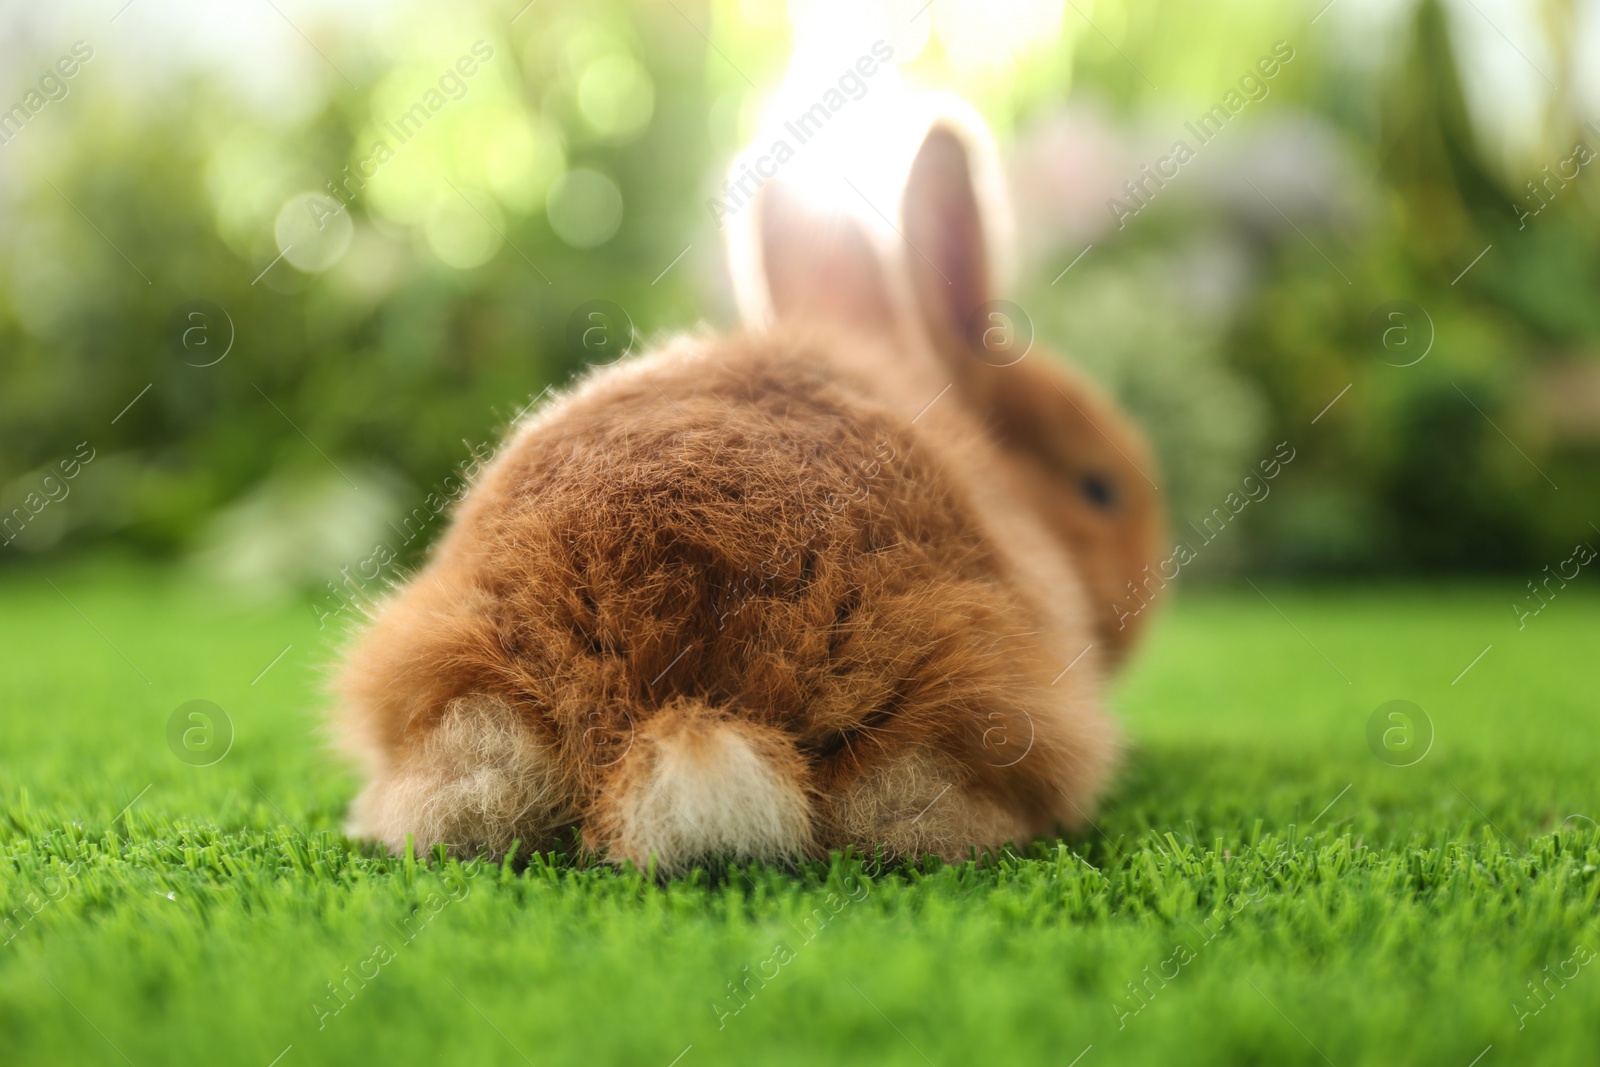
(448, 307)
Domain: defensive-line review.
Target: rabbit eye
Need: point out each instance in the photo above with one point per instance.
(1099, 491)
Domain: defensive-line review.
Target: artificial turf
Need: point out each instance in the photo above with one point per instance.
(1261, 887)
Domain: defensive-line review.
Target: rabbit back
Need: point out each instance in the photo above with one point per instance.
(738, 598)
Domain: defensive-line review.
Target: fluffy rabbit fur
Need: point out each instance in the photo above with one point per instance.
(813, 585)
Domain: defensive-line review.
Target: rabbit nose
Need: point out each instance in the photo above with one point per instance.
(698, 784)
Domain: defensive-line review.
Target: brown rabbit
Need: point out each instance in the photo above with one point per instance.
(815, 585)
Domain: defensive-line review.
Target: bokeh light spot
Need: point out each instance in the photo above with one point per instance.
(585, 208)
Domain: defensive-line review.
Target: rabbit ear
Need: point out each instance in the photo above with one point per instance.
(952, 218)
(798, 262)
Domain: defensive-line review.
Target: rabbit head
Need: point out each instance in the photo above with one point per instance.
(844, 579)
(1080, 462)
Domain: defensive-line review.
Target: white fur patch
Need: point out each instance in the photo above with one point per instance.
(712, 791)
(479, 780)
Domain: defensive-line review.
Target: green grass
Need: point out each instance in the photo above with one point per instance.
(1308, 902)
